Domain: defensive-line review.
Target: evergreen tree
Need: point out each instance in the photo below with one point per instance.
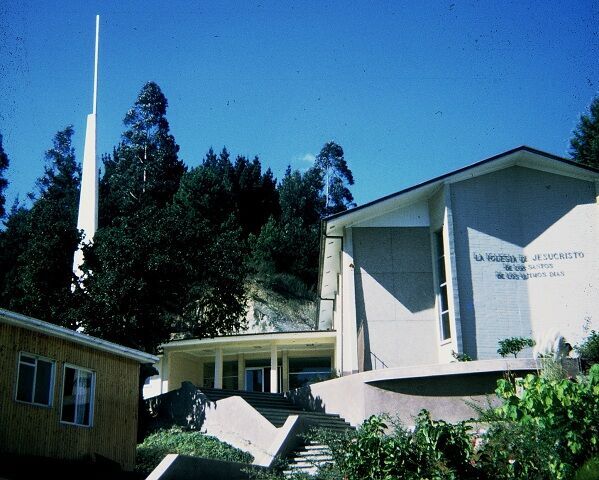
(336, 176)
(584, 146)
(287, 248)
(3, 182)
(42, 275)
(167, 257)
(144, 169)
(13, 242)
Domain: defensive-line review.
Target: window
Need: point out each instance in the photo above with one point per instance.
(305, 371)
(442, 283)
(78, 396)
(35, 380)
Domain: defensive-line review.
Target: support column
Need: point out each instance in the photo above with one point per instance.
(240, 371)
(274, 371)
(285, 368)
(218, 368)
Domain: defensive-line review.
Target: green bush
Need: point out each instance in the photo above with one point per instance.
(513, 345)
(176, 440)
(434, 450)
(559, 420)
(589, 349)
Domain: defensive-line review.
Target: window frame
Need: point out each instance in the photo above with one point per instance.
(52, 363)
(92, 396)
(441, 285)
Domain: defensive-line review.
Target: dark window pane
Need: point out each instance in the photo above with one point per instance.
(309, 364)
(441, 268)
(43, 382)
(68, 395)
(25, 383)
(446, 333)
(28, 359)
(443, 298)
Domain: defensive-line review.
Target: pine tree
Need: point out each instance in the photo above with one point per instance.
(584, 145)
(145, 169)
(336, 176)
(3, 182)
(48, 234)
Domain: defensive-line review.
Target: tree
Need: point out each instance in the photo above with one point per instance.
(336, 176)
(145, 168)
(42, 272)
(584, 145)
(289, 245)
(167, 258)
(3, 182)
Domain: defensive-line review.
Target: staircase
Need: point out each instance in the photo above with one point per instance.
(310, 455)
(308, 459)
(276, 408)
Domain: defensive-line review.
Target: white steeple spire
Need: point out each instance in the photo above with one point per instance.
(88, 199)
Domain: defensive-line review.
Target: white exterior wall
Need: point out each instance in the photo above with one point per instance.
(394, 290)
(527, 253)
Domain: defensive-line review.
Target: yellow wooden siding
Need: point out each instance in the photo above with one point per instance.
(35, 430)
(183, 368)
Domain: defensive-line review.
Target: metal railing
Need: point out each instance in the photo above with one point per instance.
(376, 363)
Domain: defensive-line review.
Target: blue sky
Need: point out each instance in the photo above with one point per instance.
(410, 90)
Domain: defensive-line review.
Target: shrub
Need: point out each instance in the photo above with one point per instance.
(176, 440)
(563, 417)
(589, 349)
(461, 357)
(513, 345)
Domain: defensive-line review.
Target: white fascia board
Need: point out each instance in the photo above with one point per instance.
(328, 336)
(16, 319)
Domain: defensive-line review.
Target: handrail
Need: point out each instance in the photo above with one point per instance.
(377, 361)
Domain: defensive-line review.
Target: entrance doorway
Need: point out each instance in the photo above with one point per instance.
(257, 379)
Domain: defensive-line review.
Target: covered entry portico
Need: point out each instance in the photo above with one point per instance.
(264, 362)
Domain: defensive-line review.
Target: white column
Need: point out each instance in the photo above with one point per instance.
(285, 365)
(274, 372)
(348, 309)
(218, 368)
(240, 372)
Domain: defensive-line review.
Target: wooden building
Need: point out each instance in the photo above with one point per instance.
(66, 395)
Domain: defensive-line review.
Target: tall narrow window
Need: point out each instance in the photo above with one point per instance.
(35, 380)
(78, 396)
(442, 282)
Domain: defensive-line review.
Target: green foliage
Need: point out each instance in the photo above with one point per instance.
(169, 256)
(563, 414)
(336, 177)
(584, 145)
(3, 182)
(589, 348)
(175, 440)
(461, 357)
(513, 345)
(434, 450)
(39, 243)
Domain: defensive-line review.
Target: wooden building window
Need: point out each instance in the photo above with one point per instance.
(78, 396)
(35, 380)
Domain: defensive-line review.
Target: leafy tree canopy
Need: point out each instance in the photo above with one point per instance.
(584, 145)
(337, 177)
(40, 243)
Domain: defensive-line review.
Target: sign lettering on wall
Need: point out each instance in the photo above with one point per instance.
(527, 267)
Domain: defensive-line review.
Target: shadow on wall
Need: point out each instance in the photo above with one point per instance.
(443, 386)
(303, 398)
(185, 407)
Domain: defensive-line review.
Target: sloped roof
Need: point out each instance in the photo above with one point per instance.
(332, 227)
(29, 323)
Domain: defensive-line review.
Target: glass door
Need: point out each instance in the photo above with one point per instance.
(254, 379)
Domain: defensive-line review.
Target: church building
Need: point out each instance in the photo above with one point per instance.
(506, 247)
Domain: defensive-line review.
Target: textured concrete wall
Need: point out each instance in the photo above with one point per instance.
(526, 256)
(395, 295)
